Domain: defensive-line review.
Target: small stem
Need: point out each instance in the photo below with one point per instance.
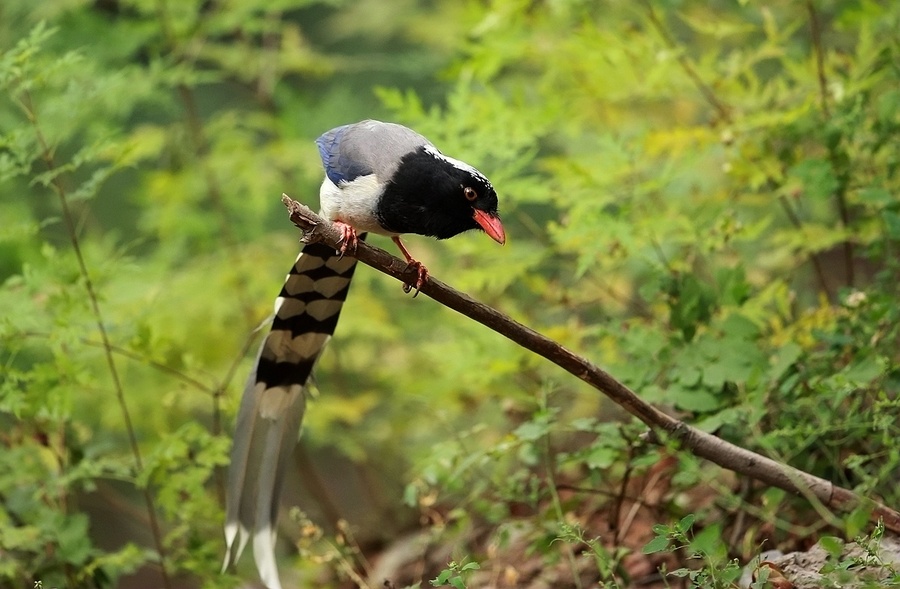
(185, 378)
(840, 194)
(315, 485)
(220, 391)
(686, 64)
(844, 211)
(200, 146)
(616, 512)
(817, 265)
(94, 301)
(554, 497)
(816, 31)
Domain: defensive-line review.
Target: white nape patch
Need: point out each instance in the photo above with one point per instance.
(353, 203)
(458, 164)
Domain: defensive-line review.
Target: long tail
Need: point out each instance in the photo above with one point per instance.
(271, 410)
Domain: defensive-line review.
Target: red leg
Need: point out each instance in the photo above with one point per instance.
(348, 237)
(421, 270)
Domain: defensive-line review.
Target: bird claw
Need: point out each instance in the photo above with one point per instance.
(421, 270)
(349, 239)
(421, 279)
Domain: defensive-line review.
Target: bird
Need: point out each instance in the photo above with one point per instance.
(380, 178)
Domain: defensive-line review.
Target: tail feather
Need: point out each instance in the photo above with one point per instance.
(306, 314)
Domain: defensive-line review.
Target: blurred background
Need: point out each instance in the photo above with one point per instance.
(701, 197)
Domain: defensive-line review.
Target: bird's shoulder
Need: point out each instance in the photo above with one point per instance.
(364, 148)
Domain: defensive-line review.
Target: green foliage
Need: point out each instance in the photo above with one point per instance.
(719, 237)
(706, 546)
(702, 201)
(455, 574)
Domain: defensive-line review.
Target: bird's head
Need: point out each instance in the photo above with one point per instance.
(433, 194)
(481, 197)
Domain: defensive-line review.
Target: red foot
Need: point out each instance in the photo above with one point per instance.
(349, 238)
(421, 270)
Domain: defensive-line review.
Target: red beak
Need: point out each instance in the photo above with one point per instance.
(491, 225)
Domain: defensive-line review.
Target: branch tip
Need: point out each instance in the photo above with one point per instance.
(304, 219)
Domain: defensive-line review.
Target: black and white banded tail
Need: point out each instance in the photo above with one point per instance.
(306, 314)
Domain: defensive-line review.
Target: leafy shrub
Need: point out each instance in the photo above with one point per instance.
(702, 201)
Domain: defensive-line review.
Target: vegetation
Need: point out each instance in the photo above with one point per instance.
(700, 197)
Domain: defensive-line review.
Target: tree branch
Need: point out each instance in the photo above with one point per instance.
(702, 444)
(686, 64)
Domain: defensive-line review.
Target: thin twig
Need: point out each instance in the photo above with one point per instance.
(616, 512)
(94, 301)
(615, 495)
(554, 498)
(737, 527)
(797, 223)
(182, 53)
(840, 193)
(816, 31)
(840, 196)
(201, 149)
(662, 426)
(686, 64)
(219, 392)
(131, 355)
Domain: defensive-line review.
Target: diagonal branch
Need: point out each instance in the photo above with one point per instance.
(702, 444)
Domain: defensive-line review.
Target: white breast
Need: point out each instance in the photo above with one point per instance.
(353, 203)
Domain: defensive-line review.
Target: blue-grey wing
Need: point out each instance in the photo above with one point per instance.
(367, 147)
(340, 164)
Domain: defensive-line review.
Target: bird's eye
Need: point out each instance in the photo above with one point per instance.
(470, 193)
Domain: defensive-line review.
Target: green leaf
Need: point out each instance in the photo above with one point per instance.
(685, 523)
(857, 521)
(733, 285)
(657, 544)
(709, 543)
(74, 541)
(602, 456)
(537, 428)
(411, 495)
(695, 400)
(815, 177)
(877, 195)
(691, 303)
(864, 371)
(442, 578)
(784, 358)
(892, 224)
(739, 326)
(728, 416)
(832, 545)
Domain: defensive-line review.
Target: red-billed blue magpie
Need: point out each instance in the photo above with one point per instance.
(381, 178)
